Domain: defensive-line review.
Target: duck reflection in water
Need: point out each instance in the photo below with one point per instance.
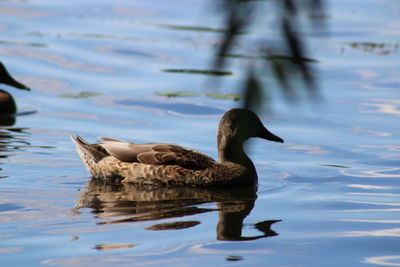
(7, 103)
(12, 140)
(136, 204)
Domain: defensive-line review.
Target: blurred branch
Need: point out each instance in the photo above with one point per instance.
(297, 52)
(253, 91)
(282, 68)
(238, 15)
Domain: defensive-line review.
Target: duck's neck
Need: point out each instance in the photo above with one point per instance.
(231, 150)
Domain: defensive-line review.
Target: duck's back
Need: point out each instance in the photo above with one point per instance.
(118, 158)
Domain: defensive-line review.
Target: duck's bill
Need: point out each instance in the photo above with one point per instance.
(7, 79)
(16, 84)
(265, 134)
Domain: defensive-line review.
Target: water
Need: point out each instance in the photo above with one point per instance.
(327, 197)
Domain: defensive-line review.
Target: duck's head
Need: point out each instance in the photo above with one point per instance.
(239, 125)
(6, 78)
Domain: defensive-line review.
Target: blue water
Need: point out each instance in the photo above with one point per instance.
(328, 196)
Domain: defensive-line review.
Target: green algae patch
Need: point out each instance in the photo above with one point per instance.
(235, 97)
(176, 93)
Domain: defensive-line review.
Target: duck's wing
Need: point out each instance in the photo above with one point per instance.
(123, 150)
(156, 154)
(165, 154)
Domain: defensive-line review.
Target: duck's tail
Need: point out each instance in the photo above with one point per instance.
(95, 158)
(88, 152)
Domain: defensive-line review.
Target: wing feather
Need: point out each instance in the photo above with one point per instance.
(164, 154)
(156, 154)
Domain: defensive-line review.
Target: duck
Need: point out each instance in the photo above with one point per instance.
(159, 164)
(7, 102)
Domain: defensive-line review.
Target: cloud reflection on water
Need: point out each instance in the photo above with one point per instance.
(164, 105)
(390, 172)
(390, 260)
(392, 232)
(383, 106)
(57, 59)
(370, 187)
(309, 149)
(25, 12)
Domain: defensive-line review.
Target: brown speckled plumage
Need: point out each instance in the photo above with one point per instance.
(158, 164)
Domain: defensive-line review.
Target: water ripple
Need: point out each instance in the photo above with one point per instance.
(57, 59)
(390, 260)
(162, 105)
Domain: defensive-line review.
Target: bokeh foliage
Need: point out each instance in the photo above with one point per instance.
(286, 66)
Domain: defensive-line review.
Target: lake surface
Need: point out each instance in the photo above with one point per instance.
(328, 196)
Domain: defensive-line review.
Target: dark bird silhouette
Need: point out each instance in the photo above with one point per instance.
(7, 102)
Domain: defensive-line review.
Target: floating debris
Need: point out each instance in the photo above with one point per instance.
(192, 28)
(335, 166)
(234, 97)
(234, 258)
(176, 93)
(80, 95)
(173, 225)
(106, 247)
(204, 72)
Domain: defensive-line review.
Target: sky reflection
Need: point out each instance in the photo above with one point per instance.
(392, 260)
(57, 59)
(385, 173)
(382, 106)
